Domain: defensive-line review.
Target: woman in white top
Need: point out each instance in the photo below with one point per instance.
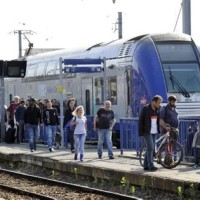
(80, 123)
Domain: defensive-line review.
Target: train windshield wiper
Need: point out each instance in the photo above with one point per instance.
(179, 86)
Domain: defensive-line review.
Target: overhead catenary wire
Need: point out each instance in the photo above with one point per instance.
(178, 16)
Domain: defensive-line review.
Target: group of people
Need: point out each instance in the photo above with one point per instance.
(76, 124)
(33, 113)
(155, 119)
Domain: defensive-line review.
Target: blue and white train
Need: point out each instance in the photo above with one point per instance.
(136, 70)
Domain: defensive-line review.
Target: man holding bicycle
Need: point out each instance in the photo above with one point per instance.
(148, 128)
(169, 115)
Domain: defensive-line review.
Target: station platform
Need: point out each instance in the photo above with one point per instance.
(126, 165)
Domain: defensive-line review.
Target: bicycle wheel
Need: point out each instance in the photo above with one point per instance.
(142, 155)
(170, 154)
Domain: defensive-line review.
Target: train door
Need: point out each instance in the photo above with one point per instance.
(128, 75)
(87, 95)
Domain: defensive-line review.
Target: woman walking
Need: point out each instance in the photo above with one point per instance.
(67, 119)
(80, 123)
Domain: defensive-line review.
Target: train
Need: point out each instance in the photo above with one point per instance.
(136, 69)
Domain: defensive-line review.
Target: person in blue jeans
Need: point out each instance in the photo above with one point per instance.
(148, 128)
(80, 131)
(103, 124)
(50, 120)
(32, 119)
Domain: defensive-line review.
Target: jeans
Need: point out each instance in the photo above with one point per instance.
(71, 137)
(50, 131)
(33, 135)
(150, 145)
(79, 140)
(20, 131)
(107, 133)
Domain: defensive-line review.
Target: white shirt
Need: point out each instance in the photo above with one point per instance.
(80, 126)
(154, 128)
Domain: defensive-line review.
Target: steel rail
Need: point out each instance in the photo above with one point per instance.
(76, 187)
(25, 192)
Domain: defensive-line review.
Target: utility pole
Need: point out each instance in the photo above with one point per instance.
(186, 16)
(119, 25)
(24, 33)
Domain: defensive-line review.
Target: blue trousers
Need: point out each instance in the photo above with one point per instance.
(150, 145)
(50, 131)
(79, 140)
(33, 135)
(107, 133)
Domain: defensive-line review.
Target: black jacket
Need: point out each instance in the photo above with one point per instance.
(145, 120)
(32, 115)
(50, 117)
(67, 116)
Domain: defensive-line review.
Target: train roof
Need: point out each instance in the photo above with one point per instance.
(112, 49)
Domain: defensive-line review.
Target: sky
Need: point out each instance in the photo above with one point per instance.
(77, 23)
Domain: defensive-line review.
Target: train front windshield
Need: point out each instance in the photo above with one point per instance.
(181, 67)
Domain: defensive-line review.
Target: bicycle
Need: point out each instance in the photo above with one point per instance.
(169, 153)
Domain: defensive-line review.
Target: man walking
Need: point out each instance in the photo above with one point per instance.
(148, 128)
(103, 123)
(50, 120)
(32, 119)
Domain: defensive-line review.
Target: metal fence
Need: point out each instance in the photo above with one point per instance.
(130, 140)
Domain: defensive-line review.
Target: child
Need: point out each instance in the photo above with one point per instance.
(80, 123)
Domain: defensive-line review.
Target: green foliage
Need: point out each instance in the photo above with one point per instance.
(75, 172)
(133, 190)
(180, 192)
(124, 181)
(144, 184)
(95, 180)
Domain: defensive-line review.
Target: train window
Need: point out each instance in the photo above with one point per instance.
(40, 69)
(176, 52)
(182, 77)
(99, 91)
(31, 70)
(50, 68)
(111, 93)
(112, 89)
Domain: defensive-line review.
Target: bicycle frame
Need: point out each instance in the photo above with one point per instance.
(164, 139)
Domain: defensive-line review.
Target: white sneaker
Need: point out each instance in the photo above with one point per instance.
(51, 149)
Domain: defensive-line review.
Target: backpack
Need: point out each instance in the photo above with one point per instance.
(72, 127)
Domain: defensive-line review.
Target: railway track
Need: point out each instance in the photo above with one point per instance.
(48, 189)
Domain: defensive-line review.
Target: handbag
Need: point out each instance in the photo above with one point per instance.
(72, 127)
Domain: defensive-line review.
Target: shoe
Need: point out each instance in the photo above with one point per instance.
(146, 169)
(81, 157)
(111, 157)
(32, 150)
(196, 166)
(152, 169)
(75, 156)
(51, 149)
(100, 157)
(73, 150)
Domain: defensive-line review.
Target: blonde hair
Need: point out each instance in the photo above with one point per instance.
(76, 111)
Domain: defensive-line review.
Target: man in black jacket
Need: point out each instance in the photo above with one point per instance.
(32, 120)
(148, 128)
